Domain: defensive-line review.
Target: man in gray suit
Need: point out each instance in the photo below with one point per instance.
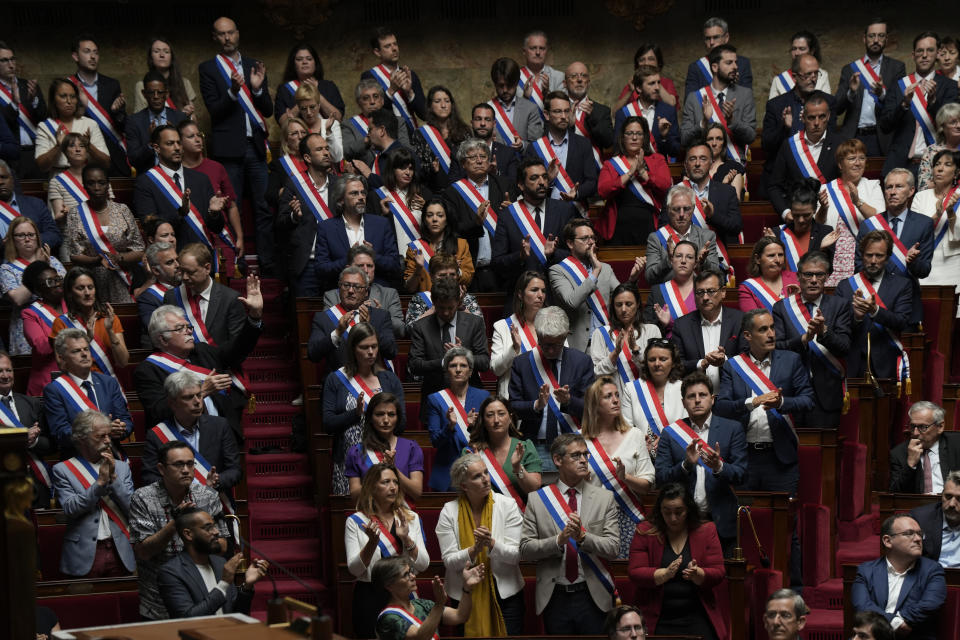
(570, 596)
(94, 490)
(382, 297)
(680, 203)
(575, 280)
(734, 101)
(523, 114)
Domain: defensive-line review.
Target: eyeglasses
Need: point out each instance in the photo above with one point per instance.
(586, 238)
(181, 328)
(922, 428)
(659, 342)
(811, 275)
(477, 158)
(24, 236)
(579, 455)
(706, 292)
(181, 464)
(351, 286)
(808, 76)
(8, 60)
(633, 134)
(783, 615)
(909, 533)
(52, 282)
(637, 628)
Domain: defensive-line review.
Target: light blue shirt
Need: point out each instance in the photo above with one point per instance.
(559, 148)
(949, 546)
(92, 88)
(192, 437)
(484, 244)
(868, 115)
(903, 221)
(233, 96)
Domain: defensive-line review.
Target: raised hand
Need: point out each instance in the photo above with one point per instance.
(359, 408)
(517, 456)
(855, 83)
(550, 245)
(692, 454)
(830, 239)
(515, 338)
(451, 419)
(257, 74)
(439, 593)
(372, 531)
(562, 394)
(253, 301)
(185, 203)
(663, 314)
(913, 252)
(639, 265)
(787, 115)
(213, 478)
(711, 457)
(693, 573)
(525, 246)
(542, 398)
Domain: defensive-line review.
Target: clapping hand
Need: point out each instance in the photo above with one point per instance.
(562, 394)
(913, 252)
(639, 264)
(663, 314)
(693, 573)
(472, 576)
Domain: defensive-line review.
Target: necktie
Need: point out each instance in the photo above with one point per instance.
(6, 400)
(572, 571)
(720, 99)
(448, 333)
(88, 389)
(176, 181)
(927, 472)
(895, 223)
(810, 308)
(538, 218)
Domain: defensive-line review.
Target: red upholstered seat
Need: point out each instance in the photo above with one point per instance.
(950, 615)
(815, 538)
(853, 463)
(91, 610)
(760, 584)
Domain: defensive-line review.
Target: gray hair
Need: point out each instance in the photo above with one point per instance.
(365, 85)
(926, 405)
(158, 321)
(948, 112)
(471, 144)
(551, 322)
(458, 470)
(151, 253)
(678, 190)
(535, 33)
(457, 352)
(748, 318)
(954, 477)
(710, 23)
(800, 608)
(60, 342)
(559, 447)
(353, 271)
(176, 383)
(905, 172)
(388, 570)
(339, 187)
(84, 422)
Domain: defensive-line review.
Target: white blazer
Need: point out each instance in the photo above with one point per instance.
(355, 540)
(504, 557)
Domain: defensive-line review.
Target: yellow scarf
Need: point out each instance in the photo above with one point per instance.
(486, 620)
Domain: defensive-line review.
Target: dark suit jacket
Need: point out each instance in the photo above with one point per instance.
(827, 385)
(895, 293)
(283, 98)
(37, 113)
(688, 335)
(774, 134)
(336, 420)
(930, 519)
(147, 303)
(923, 592)
(333, 246)
(580, 164)
(598, 123)
(786, 373)
(448, 444)
(37, 210)
(302, 233)
(817, 233)
(148, 199)
(418, 106)
(786, 174)
(225, 313)
(9, 145)
(139, 152)
(890, 71)
(320, 345)
(576, 370)
(217, 446)
(108, 90)
(733, 446)
(29, 411)
(899, 122)
(696, 80)
(186, 596)
(726, 220)
(228, 137)
(668, 145)
(903, 479)
(60, 414)
(465, 220)
(508, 258)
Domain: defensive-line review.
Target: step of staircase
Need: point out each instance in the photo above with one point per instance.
(271, 346)
(276, 464)
(299, 557)
(283, 521)
(824, 624)
(859, 551)
(279, 488)
(266, 437)
(826, 595)
(276, 392)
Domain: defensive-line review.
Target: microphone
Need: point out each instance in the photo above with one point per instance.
(738, 551)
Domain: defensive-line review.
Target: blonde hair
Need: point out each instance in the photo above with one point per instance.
(9, 248)
(591, 409)
(365, 502)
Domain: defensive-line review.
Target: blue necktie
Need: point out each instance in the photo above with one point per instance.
(88, 389)
(896, 223)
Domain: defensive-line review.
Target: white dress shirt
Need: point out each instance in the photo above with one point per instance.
(211, 582)
(485, 242)
(894, 584)
(711, 340)
(919, 142)
(815, 147)
(868, 114)
(355, 236)
(758, 429)
(324, 193)
(933, 459)
(178, 172)
(700, 488)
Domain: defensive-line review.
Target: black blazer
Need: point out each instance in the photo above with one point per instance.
(217, 446)
(37, 113)
(774, 134)
(418, 106)
(508, 258)
(786, 172)
(600, 125)
(463, 218)
(688, 336)
(576, 370)
(580, 164)
(29, 411)
(141, 154)
(696, 79)
(302, 233)
(726, 221)
(186, 596)
(817, 233)
(333, 246)
(229, 137)
(283, 99)
(668, 145)
(903, 479)
(108, 90)
(890, 71)
(899, 122)
(320, 345)
(225, 313)
(895, 293)
(930, 519)
(148, 199)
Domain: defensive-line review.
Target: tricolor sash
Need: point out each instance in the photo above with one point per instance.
(355, 386)
(743, 365)
(762, 292)
(75, 396)
(941, 223)
(843, 203)
(360, 124)
(336, 312)
(23, 116)
(73, 186)
(867, 74)
(703, 64)
(172, 364)
(53, 127)
(804, 158)
(800, 318)
(174, 196)
(578, 272)
(625, 367)
(563, 182)
(528, 228)
(409, 617)
(437, 145)
(474, 199)
(100, 115)
(98, 239)
(7, 212)
(528, 338)
(786, 81)
(857, 281)
(97, 350)
(621, 164)
(400, 106)
(388, 544)
(292, 86)
(498, 478)
(706, 94)
(157, 290)
(684, 435)
(580, 126)
(632, 108)
(46, 313)
(166, 432)
(502, 122)
(426, 298)
(700, 219)
(422, 253)
(369, 457)
(191, 309)
(566, 422)
(789, 239)
(536, 93)
(84, 472)
(606, 471)
(307, 192)
(646, 394)
(404, 220)
(673, 299)
(899, 255)
(450, 401)
(918, 107)
(9, 419)
(665, 234)
(18, 264)
(244, 97)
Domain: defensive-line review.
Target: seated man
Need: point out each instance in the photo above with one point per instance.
(680, 205)
(369, 96)
(24, 412)
(902, 585)
(198, 581)
(920, 463)
(785, 615)
(210, 437)
(382, 296)
(442, 266)
(94, 490)
(140, 125)
(13, 203)
(624, 622)
(870, 625)
(164, 264)
(940, 522)
(152, 513)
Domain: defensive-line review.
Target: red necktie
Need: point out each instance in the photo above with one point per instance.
(572, 570)
(927, 472)
(194, 300)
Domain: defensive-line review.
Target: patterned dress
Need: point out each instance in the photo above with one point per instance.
(11, 278)
(123, 234)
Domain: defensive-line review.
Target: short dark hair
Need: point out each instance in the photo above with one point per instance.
(167, 447)
(816, 97)
(81, 37)
(444, 290)
(183, 518)
(31, 275)
(87, 168)
(806, 191)
(746, 324)
(555, 95)
(643, 48)
(155, 135)
(709, 272)
(716, 54)
(926, 34)
(304, 148)
(384, 118)
(506, 68)
(693, 379)
(613, 618)
(815, 256)
(877, 235)
(153, 76)
(525, 164)
(481, 105)
(886, 528)
(673, 491)
(880, 628)
(875, 20)
(569, 232)
(562, 441)
(379, 34)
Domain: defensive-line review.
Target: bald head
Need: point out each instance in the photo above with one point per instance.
(806, 72)
(226, 35)
(577, 80)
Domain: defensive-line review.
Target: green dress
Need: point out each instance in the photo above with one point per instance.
(392, 626)
(530, 461)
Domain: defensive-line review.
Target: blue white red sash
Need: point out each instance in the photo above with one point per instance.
(706, 94)
(762, 292)
(918, 107)
(97, 351)
(368, 457)
(9, 419)
(421, 253)
(503, 124)
(563, 182)
(899, 255)
(843, 203)
(578, 272)
(23, 116)
(744, 366)
(857, 281)
(53, 127)
(566, 422)
(388, 544)
(700, 219)
(646, 395)
(498, 478)
(8, 212)
(307, 192)
(87, 476)
(244, 97)
(528, 338)
(673, 299)
(336, 312)
(474, 199)
(405, 222)
(191, 309)
(536, 93)
(941, 223)
(425, 298)
(800, 318)
(157, 290)
(169, 433)
(621, 164)
(703, 64)
(580, 125)
(360, 124)
(450, 401)
(19, 264)
(75, 397)
(172, 364)
(666, 234)
(786, 81)
(626, 368)
(684, 435)
(529, 229)
(292, 86)
(174, 196)
(400, 106)
(804, 158)
(791, 246)
(99, 241)
(46, 313)
(606, 472)
(867, 74)
(437, 145)
(409, 617)
(633, 109)
(72, 186)
(355, 386)
(100, 115)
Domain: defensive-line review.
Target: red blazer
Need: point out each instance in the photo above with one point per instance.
(609, 187)
(646, 552)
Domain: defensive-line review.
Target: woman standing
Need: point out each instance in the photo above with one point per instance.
(648, 54)
(724, 169)
(305, 67)
(512, 464)
(770, 279)
(408, 196)
(515, 335)
(64, 104)
(616, 349)
(670, 300)
(160, 58)
(88, 312)
(655, 400)
(307, 98)
(436, 142)
(938, 202)
(948, 137)
(65, 190)
(439, 236)
(46, 285)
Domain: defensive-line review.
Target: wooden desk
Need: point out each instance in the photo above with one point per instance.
(232, 624)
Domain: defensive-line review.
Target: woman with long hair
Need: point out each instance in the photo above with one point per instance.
(655, 400)
(515, 335)
(308, 108)
(723, 168)
(305, 67)
(65, 190)
(512, 461)
(938, 201)
(617, 347)
(437, 233)
(404, 192)
(160, 57)
(441, 134)
(64, 109)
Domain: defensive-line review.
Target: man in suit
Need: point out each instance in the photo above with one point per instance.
(209, 436)
(920, 463)
(723, 450)
(785, 615)
(720, 203)
(512, 254)
(711, 334)
(24, 411)
(400, 83)
(863, 86)
(82, 389)
(897, 116)
(149, 198)
(352, 225)
(821, 336)
(21, 99)
(878, 311)
(382, 297)
(569, 596)
(94, 488)
(680, 206)
(716, 32)
(534, 53)
(330, 328)
(172, 337)
(141, 124)
(661, 117)
(561, 147)
(735, 102)
(913, 231)
(579, 279)
(521, 113)
(592, 118)
(229, 85)
(101, 96)
(161, 258)
(902, 585)
(816, 142)
(382, 137)
(503, 159)
(940, 522)
(29, 207)
(370, 98)
(433, 335)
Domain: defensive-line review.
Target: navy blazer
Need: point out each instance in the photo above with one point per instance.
(283, 98)
(465, 221)
(890, 71)
(320, 345)
(696, 79)
(774, 134)
(333, 246)
(217, 446)
(688, 334)
(726, 220)
(227, 118)
(896, 295)
(580, 164)
(9, 146)
(786, 174)
(225, 317)
(38, 112)
(108, 90)
(930, 519)
(599, 123)
(901, 123)
(149, 200)
(418, 106)
(827, 384)
(60, 413)
(668, 145)
(336, 420)
(185, 595)
(906, 479)
(448, 443)
(37, 210)
(923, 592)
(720, 496)
(139, 152)
(576, 370)
(787, 373)
(508, 259)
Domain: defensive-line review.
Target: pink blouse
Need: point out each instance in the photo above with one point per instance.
(749, 300)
